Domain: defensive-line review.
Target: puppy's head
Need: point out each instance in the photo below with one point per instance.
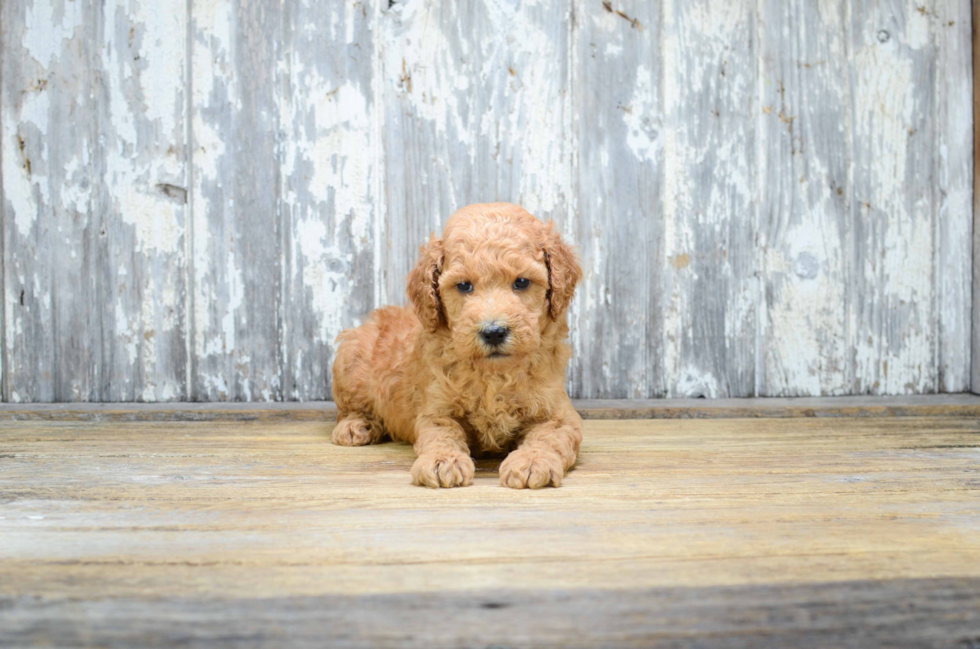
(496, 280)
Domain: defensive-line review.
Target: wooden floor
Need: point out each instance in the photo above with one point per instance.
(695, 532)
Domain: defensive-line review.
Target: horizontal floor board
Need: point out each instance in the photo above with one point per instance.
(932, 405)
(935, 613)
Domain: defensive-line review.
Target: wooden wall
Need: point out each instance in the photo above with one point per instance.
(770, 197)
(976, 203)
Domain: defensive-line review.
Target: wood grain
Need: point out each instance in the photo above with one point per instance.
(235, 196)
(935, 613)
(54, 230)
(330, 174)
(711, 291)
(816, 530)
(975, 365)
(953, 192)
(893, 76)
(142, 193)
(618, 119)
(804, 235)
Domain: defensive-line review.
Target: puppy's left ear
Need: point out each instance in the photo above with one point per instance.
(423, 285)
(564, 271)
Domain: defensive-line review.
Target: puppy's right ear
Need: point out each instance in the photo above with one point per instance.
(423, 285)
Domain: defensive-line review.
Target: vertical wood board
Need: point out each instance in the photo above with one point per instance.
(953, 192)
(804, 235)
(237, 279)
(975, 332)
(618, 117)
(142, 185)
(892, 308)
(710, 285)
(330, 174)
(53, 230)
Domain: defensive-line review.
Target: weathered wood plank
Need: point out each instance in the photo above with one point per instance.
(237, 278)
(805, 221)
(618, 117)
(710, 287)
(975, 334)
(330, 176)
(761, 519)
(893, 312)
(53, 232)
(932, 405)
(476, 103)
(953, 193)
(3, 235)
(893, 613)
(142, 182)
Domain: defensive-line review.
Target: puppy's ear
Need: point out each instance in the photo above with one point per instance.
(423, 285)
(564, 271)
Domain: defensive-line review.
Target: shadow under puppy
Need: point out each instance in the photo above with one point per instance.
(479, 365)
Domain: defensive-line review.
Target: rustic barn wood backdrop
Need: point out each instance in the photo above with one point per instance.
(771, 197)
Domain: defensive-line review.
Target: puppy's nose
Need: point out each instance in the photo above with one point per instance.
(494, 335)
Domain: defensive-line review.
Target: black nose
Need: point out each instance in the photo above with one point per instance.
(494, 335)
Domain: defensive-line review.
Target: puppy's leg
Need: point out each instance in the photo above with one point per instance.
(548, 450)
(443, 455)
(354, 430)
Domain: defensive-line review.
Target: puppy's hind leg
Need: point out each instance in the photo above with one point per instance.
(355, 430)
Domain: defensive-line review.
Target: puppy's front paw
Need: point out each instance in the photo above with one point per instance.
(352, 432)
(443, 469)
(530, 468)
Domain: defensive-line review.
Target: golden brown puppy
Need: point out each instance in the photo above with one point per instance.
(479, 364)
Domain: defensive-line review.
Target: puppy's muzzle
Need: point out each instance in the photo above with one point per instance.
(495, 335)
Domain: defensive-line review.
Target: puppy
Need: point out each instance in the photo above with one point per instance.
(478, 366)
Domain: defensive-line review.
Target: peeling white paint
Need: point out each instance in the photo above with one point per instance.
(692, 382)
(424, 73)
(339, 153)
(154, 218)
(642, 137)
(48, 24)
(917, 26)
(20, 184)
(894, 351)
(328, 288)
(330, 175)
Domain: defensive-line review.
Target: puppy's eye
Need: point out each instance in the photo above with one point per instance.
(521, 283)
(464, 287)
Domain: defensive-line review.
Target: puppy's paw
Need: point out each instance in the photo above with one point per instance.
(353, 431)
(443, 469)
(531, 468)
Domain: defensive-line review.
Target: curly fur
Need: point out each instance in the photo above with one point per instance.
(423, 375)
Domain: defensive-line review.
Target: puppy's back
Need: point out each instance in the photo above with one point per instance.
(371, 363)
